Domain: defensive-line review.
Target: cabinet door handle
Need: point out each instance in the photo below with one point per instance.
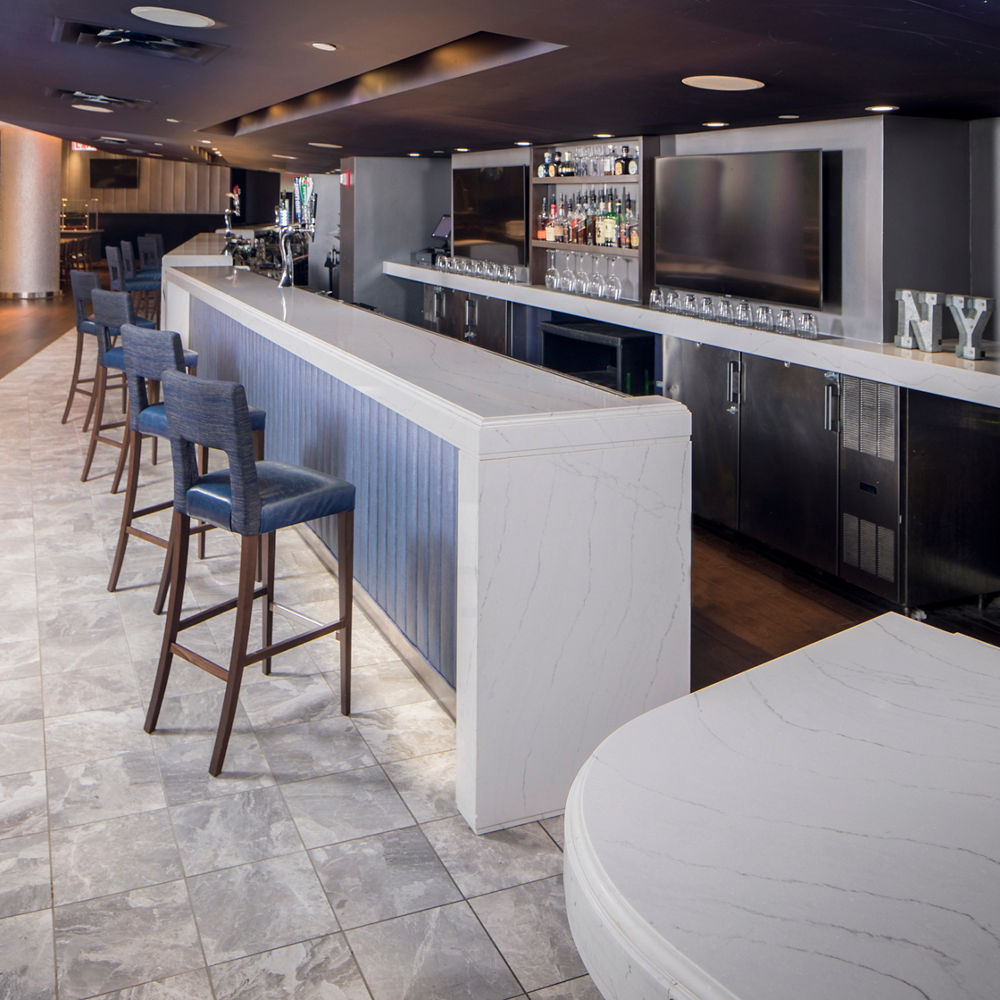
(733, 387)
(831, 399)
(436, 311)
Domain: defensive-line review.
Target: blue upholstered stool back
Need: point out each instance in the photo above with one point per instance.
(116, 274)
(128, 258)
(82, 284)
(148, 353)
(214, 414)
(111, 311)
(149, 254)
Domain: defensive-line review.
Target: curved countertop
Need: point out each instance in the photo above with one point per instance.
(943, 373)
(826, 825)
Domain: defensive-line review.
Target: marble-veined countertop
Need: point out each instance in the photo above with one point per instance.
(824, 826)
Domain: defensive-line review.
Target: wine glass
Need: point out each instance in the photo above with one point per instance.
(596, 285)
(613, 290)
(551, 271)
(567, 279)
(582, 276)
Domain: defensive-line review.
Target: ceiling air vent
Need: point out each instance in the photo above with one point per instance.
(103, 100)
(97, 36)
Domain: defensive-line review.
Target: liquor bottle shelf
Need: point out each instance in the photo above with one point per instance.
(584, 248)
(583, 179)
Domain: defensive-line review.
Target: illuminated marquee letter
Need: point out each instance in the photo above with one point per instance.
(971, 315)
(919, 320)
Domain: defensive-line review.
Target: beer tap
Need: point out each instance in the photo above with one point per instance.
(238, 247)
(305, 215)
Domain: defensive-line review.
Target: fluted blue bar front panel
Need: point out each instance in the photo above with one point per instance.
(406, 478)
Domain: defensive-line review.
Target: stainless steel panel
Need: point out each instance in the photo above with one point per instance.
(706, 380)
(788, 460)
(488, 323)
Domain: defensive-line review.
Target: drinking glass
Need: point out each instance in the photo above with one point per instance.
(613, 290)
(690, 307)
(597, 283)
(807, 326)
(707, 310)
(551, 271)
(656, 300)
(724, 313)
(785, 322)
(567, 279)
(582, 276)
(744, 315)
(672, 301)
(507, 273)
(442, 262)
(479, 268)
(764, 318)
(492, 269)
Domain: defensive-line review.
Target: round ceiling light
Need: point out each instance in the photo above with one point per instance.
(175, 18)
(603, 135)
(173, 121)
(883, 107)
(324, 46)
(788, 118)
(522, 142)
(92, 107)
(715, 124)
(461, 149)
(325, 145)
(412, 154)
(283, 156)
(722, 83)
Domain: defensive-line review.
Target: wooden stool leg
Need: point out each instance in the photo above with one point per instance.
(202, 469)
(180, 529)
(164, 587)
(122, 456)
(100, 381)
(73, 382)
(237, 658)
(133, 444)
(345, 586)
(265, 549)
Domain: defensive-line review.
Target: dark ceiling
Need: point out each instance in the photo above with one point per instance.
(440, 74)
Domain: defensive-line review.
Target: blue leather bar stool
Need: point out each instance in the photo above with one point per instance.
(131, 271)
(111, 310)
(252, 499)
(120, 282)
(82, 283)
(147, 354)
(150, 253)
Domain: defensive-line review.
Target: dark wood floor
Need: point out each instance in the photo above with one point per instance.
(28, 325)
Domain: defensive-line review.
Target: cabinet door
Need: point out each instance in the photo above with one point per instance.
(451, 313)
(486, 323)
(706, 380)
(789, 459)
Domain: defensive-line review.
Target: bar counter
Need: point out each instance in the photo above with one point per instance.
(530, 534)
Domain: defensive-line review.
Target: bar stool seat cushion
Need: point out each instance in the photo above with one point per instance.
(146, 324)
(149, 274)
(114, 357)
(142, 284)
(289, 494)
(153, 418)
(87, 326)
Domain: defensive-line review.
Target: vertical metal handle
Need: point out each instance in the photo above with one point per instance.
(436, 310)
(831, 398)
(733, 387)
(468, 312)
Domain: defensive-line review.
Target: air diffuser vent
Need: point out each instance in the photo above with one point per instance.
(98, 36)
(102, 100)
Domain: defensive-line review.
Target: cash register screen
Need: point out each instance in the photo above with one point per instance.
(443, 229)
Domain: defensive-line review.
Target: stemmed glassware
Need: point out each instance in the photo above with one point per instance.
(551, 271)
(613, 290)
(582, 276)
(597, 285)
(567, 278)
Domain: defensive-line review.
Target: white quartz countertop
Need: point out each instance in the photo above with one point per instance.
(438, 381)
(943, 373)
(824, 826)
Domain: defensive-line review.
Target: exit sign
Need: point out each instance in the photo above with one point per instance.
(82, 147)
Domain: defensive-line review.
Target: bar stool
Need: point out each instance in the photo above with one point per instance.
(120, 282)
(150, 255)
(82, 283)
(147, 353)
(129, 264)
(252, 499)
(111, 310)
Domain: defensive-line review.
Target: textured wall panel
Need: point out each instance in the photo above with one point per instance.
(406, 478)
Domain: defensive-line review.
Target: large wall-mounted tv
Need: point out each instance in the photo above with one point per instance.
(747, 224)
(114, 173)
(489, 213)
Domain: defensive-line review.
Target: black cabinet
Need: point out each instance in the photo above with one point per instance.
(478, 319)
(613, 356)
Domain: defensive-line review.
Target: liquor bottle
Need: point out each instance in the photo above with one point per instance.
(611, 225)
(555, 165)
(543, 218)
(633, 229)
(568, 167)
(550, 225)
(590, 237)
(632, 167)
(543, 167)
(609, 162)
(621, 163)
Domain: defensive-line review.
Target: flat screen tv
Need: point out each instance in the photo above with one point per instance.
(114, 173)
(747, 224)
(489, 213)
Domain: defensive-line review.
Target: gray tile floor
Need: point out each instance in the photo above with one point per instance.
(328, 861)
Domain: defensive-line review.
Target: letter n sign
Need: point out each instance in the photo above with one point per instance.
(919, 320)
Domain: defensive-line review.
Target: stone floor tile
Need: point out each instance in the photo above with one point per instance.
(343, 806)
(381, 685)
(20, 700)
(407, 731)
(555, 828)
(573, 989)
(426, 785)
(287, 699)
(263, 905)
(25, 881)
(23, 807)
(528, 924)
(234, 830)
(442, 953)
(86, 690)
(113, 856)
(388, 875)
(493, 861)
(187, 986)
(118, 941)
(22, 747)
(19, 658)
(313, 748)
(320, 968)
(88, 736)
(27, 971)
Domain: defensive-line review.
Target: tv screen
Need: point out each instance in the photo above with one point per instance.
(489, 213)
(746, 224)
(114, 173)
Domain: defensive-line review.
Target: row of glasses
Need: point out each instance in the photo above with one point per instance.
(477, 268)
(576, 279)
(741, 313)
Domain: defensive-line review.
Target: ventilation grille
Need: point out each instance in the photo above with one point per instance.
(98, 36)
(869, 417)
(102, 100)
(869, 547)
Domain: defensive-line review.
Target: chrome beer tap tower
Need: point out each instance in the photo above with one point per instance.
(293, 216)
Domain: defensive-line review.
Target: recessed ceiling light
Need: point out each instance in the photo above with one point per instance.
(789, 118)
(324, 46)
(325, 145)
(171, 16)
(173, 121)
(156, 154)
(883, 107)
(438, 152)
(92, 107)
(722, 83)
(412, 154)
(157, 143)
(206, 142)
(283, 156)
(522, 142)
(603, 135)
(715, 124)
(461, 149)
